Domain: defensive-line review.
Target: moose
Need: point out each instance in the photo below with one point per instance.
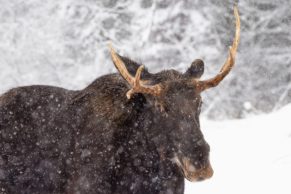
(127, 132)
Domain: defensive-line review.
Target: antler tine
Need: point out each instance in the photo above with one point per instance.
(137, 76)
(138, 85)
(229, 63)
(120, 66)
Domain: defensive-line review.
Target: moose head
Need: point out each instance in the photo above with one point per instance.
(173, 100)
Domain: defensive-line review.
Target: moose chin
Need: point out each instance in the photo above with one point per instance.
(127, 132)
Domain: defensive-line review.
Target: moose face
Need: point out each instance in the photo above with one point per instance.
(179, 130)
(177, 98)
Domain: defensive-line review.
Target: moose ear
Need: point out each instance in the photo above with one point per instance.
(196, 69)
(132, 67)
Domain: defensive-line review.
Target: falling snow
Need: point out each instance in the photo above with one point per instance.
(64, 43)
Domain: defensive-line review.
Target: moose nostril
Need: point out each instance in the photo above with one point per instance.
(200, 179)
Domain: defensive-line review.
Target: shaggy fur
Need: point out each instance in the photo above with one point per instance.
(54, 140)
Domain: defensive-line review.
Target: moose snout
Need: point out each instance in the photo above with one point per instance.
(198, 174)
(191, 173)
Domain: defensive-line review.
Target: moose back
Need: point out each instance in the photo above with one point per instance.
(131, 132)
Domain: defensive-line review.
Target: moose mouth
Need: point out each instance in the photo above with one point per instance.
(190, 172)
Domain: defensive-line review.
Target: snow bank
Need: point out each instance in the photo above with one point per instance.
(249, 156)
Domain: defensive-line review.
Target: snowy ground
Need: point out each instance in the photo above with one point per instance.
(249, 156)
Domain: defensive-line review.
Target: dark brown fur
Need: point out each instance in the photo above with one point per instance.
(53, 140)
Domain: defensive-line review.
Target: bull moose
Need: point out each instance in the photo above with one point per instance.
(131, 132)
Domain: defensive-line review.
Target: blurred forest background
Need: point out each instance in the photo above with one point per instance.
(64, 43)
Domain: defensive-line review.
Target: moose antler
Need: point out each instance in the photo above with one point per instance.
(205, 84)
(138, 85)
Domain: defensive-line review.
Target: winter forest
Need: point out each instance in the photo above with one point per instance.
(245, 119)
